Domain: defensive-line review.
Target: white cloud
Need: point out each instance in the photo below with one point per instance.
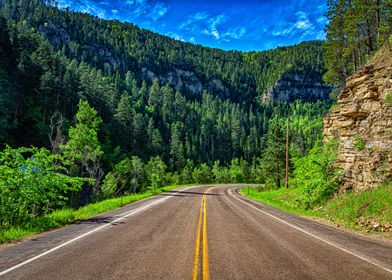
(235, 33)
(322, 20)
(212, 28)
(158, 11)
(321, 35)
(199, 16)
(301, 15)
(202, 22)
(129, 9)
(192, 40)
(175, 36)
(302, 26)
(189, 24)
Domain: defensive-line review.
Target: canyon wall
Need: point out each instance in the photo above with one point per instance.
(362, 123)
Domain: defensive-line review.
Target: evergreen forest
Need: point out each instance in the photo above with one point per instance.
(88, 110)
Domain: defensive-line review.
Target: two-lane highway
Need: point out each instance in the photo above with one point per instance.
(197, 233)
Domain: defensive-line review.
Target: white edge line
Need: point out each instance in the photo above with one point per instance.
(314, 236)
(127, 214)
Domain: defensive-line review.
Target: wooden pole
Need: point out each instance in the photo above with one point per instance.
(287, 153)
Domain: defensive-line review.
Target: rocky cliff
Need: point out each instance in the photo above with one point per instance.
(298, 85)
(362, 122)
(188, 82)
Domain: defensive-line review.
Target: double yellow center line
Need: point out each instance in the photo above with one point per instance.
(201, 229)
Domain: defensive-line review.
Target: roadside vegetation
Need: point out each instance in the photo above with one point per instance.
(313, 192)
(65, 216)
(314, 181)
(42, 189)
(116, 136)
(81, 122)
(370, 211)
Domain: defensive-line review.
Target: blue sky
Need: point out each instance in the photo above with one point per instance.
(231, 25)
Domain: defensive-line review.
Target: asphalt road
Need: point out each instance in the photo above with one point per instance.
(197, 233)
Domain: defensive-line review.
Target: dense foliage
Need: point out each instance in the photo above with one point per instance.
(316, 175)
(355, 31)
(31, 183)
(92, 92)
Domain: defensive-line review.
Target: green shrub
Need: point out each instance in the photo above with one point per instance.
(316, 175)
(202, 174)
(31, 185)
(359, 143)
(388, 99)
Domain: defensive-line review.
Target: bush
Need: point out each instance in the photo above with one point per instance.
(316, 175)
(109, 186)
(220, 173)
(31, 184)
(155, 170)
(359, 143)
(202, 174)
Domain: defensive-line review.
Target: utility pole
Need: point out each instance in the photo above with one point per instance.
(287, 153)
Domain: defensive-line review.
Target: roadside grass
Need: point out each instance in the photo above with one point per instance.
(370, 211)
(285, 199)
(67, 216)
(362, 211)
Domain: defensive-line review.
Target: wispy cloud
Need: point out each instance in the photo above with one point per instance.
(120, 9)
(158, 11)
(204, 23)
(137, 7)
(175, 36)
(189, 24)
(302, 26)
(235, 33)
(212, 28)
(217, 27)
(242, 25)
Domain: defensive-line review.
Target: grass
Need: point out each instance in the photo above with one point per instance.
(388, 99)
(370, 211)
(67, 216)
(281, 198)
(362, 211)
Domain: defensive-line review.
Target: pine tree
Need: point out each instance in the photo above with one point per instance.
(273, 158)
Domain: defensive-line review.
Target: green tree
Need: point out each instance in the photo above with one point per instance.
(273, 158)
(221, 174)
(82, 152)
(155, 170)
(236, 171)
(31, 184)
(202, 174)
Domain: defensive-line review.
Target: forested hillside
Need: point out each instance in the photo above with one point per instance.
(348, 179)
(356, 30)
(123, 109)
(64, 56)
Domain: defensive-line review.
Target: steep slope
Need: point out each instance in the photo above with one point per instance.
(362, 121)
(156, 95)
(116, 47)
(297, 85)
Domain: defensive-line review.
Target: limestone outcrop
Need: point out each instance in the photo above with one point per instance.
(362, 122)
(305, 86)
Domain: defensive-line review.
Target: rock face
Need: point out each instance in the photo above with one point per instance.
(293, 85)
(187, 81)
(362, 122)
